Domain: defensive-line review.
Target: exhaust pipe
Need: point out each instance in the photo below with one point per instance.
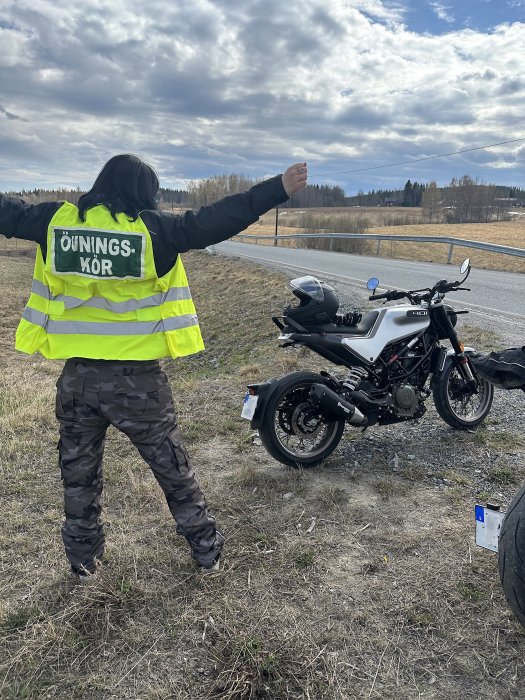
(333, 403)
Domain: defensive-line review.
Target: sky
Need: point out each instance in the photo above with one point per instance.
(207, 87)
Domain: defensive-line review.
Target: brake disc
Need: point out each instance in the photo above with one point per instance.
(306, 420)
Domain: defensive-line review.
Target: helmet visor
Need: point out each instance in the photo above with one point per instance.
(307, 286)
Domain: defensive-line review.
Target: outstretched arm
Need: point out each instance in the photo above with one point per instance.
(224, 219)
(27, 221)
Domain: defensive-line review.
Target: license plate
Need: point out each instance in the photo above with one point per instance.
(488, 525)
(249, 406)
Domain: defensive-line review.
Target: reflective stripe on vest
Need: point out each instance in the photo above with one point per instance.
(121, 328)
(97, 294)
(117, 307)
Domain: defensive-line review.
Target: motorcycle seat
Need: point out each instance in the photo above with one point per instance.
(361, 328)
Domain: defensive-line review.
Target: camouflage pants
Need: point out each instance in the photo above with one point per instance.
(136, 398)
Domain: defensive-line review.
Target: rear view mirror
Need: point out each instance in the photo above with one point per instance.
(373, 283)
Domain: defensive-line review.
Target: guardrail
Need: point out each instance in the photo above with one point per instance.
(490, 247)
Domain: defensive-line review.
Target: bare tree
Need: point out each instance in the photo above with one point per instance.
(210, 190)
(432, 204)
(469, 201)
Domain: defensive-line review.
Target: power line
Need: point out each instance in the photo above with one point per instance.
(415, 160)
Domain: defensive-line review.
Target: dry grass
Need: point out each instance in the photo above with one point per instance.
(344, 582)
(376, 216)
(507, 233)
(396, 221)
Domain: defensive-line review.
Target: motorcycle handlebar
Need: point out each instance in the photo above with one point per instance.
(389, 296)
(442, 287)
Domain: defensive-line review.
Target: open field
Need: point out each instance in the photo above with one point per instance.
(376, 216)
(382, 220)
(358, 579)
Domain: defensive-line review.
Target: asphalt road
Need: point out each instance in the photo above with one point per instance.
(499, 297)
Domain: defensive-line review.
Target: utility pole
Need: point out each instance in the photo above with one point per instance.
(276, 224)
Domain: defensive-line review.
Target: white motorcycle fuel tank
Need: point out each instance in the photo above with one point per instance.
(393, 323)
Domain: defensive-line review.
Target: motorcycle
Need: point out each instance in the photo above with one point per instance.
(393, 360)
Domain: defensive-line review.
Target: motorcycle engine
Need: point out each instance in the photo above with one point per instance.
(406, 399)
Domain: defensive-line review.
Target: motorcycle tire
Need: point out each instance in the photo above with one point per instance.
(458, 406)
(296, 431)
(511, 555)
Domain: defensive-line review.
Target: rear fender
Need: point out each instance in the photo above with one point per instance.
(263, 391)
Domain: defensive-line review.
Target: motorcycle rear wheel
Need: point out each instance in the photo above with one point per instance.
(511, 555)
(460, 407)
(296, 431)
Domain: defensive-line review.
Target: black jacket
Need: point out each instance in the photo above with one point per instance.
(171, 234)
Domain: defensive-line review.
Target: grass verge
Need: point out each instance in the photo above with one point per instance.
(352, 580)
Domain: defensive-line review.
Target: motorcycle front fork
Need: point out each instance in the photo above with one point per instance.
(463, 363)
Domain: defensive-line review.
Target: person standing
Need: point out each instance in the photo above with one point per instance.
(111, 297)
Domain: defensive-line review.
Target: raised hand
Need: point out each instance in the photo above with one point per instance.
(294, 178)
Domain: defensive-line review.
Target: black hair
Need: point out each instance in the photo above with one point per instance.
(125, 184)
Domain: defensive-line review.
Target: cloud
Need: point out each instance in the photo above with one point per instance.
(200, 87)
(443, 12)
(10, 115)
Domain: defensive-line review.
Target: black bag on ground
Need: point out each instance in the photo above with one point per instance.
(504, 369)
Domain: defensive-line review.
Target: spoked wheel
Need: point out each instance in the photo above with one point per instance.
(295, 430)
(459, 404)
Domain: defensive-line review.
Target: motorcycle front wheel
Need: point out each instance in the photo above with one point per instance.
(457, 403)
(511, 555)
(295, 430)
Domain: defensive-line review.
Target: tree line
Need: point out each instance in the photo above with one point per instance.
(463, 200)
(467, 200)
(207, 191)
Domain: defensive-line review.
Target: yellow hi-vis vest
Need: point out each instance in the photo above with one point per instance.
(98, 296)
